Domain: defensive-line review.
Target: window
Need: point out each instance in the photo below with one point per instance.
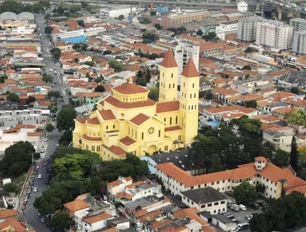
(209, 205)
(114, 126)
(171, 75)
(170, 120)
(107, 128)
(98, 148)
(142, 135)
(169, 86)
(159, 133)
(216, 203)
(179, 137)
(202, 206)
(166, 148)
(176, 119)
(193, 85)
(163, 74)
(212, 183)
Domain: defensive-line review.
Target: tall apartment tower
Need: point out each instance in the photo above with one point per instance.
(247, 28)
(274, 34)
(299, 35)
(185, 51)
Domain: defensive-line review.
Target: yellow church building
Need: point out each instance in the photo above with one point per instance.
(127, 121)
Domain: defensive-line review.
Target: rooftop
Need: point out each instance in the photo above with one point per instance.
(204, 195)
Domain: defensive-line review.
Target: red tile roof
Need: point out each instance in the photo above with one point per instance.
(81, 120)
(6, 213)
(116, 150)
(94, 120)
(172, 128)
(162, 107)
(76, 205)
(128, 105)
(190, 69)
(107, 114)
(169, 60)
(130, 88)
(91, 138)
(97, 218)
(139, 119)
(127, 141)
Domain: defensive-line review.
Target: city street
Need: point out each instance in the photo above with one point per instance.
(30, 214)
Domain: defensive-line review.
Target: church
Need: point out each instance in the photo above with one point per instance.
(127, 121)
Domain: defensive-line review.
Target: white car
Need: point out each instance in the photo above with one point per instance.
(39, 176)
(35, 189)
(46, 139)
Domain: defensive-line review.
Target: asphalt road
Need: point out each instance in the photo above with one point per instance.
(30, 214)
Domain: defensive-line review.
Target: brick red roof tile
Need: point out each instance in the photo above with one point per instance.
(139, 119)
(169, 60)
(190, 69)
(127, 141)
(162, 107)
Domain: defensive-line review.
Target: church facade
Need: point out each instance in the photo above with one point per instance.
(127, 121)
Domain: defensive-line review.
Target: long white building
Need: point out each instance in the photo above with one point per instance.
(276, 180)
(274, 34)
(183, 52)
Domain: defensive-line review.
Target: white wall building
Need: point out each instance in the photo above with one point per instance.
(247, 28)
(222, 29)
(281, 140)
(274, 34)
(275, 179)
(116, 12)
(205, 199)
(242, 6)
(93, 31)
(183, 52)
(298, 24)
(9, 118)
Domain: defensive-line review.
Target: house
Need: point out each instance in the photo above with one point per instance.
(280, 139)
(293, 79)
(88, 214)
(205, 199)
(277, 180)
(223, 94)
(117, 186)
(88, 98)
(223, 222)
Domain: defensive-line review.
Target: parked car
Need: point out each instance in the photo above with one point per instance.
(39, 176)
(243, 226)
(255, 205)
(235, 207)
(242, 207)
(28, 191)
(35, 189)
(249, 217)
(46, 139)
(230, 216)
(31, 183)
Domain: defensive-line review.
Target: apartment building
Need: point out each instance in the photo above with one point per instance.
(298, 24)
(299, 42)
(247, 28)
(274, 34)
(183, 52)
(280, 139)
(275, 179)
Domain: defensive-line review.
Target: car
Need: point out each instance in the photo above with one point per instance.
(35, 173)
(28, 191)
(42, 220)
(31, 183)
(235, 220)
(242, 207)
(231, 216)
(39, 176)
(249, 217)
(254, 205)
(57, 145)
(46, 139)
(35, 189)
(42, 150)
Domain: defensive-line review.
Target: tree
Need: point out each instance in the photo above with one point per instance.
(140, 79)
(100, 88)
(76, 60)
(49, 127)
(56, 53)
(11, 6)
(84, 5)
(48, 30)
(251, 104)
(199, 32)
(3, 78)
(297, 117)
(17, 158)
(154, 93)
(295, 90)
(211, 36)
(10, 188)
(247, 67)
(118, 66)
(248, 127)
(65, 118)
(55, 94)
(66, 138)
(60, 221)
(148, 76)
(244, 193)
(258, 223)
(80, 22)
(121, 17)
(294, 155)
(158, 26)
(99, 79)
(13, 97)
(30, 100)
(207, 94)
(149, 37)
(281, 158)
(47, 77)
(37, 8)
(250, 49)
